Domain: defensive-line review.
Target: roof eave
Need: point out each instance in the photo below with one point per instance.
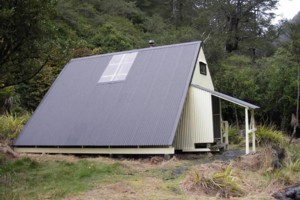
(228, 98)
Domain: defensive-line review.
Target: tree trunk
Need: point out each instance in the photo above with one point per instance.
(296, 124)
(236, 118)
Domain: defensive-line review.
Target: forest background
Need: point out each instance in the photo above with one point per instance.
(249, 57)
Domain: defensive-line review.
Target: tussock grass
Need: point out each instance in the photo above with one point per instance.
(222, 182)
(293, 151)
(266, 135)
(227, 183)
(288, 173)
(293, 166)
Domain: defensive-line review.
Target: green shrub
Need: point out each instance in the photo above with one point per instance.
(11, 124)
(233, 136)
(269, 135)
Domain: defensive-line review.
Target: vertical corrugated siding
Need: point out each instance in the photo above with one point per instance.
(203, 116)
(184, 138)
(196, 124)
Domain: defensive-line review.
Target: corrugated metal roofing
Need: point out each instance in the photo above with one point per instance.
(143, 110)
(227, 97)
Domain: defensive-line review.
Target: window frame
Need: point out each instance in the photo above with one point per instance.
(203, 68)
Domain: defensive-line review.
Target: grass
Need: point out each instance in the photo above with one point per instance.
(57, 177)
(34, 178)
(29, 179)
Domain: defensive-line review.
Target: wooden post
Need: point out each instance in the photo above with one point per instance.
(226, 136)
(247, 130)
(253, 129)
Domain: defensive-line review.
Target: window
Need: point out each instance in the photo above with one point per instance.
(118, 67)
(202, 68)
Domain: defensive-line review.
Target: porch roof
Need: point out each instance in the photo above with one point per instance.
(227, 97)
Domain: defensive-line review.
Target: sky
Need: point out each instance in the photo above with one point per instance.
(287, 9)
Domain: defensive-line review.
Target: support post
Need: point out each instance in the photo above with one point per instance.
(247, 130)
(224, 131)
(226, 134)
(253, 128)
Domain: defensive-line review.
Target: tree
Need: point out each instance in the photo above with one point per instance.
(277, 80)
(236, 77)
(28, 39)
(245, 20)
(294, 35)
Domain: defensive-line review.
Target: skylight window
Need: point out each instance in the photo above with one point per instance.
(118, 67)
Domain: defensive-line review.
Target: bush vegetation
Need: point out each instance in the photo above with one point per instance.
(233, 135)
(12, 124)
(269, 135)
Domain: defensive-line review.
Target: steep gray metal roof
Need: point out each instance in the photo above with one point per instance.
(227, 97)
(143, 110)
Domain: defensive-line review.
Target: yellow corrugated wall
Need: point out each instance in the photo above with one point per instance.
(196, 125)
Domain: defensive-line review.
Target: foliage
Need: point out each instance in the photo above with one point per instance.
(116, 34)
(233, 136)
(236, 77)
(28, 39)
(10, 100)
(11, 124)
(277, 80)
(269, 135)
(33, 91)
(37, 38)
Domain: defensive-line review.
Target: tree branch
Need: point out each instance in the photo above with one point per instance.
(25, 79)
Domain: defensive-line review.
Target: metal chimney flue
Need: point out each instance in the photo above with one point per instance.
(151, 43)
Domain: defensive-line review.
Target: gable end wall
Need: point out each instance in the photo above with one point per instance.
(200, 79)
(196, 122)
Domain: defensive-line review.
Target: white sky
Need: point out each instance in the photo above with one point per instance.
(287, 9)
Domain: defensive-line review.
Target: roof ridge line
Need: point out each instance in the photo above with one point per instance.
(134, 50)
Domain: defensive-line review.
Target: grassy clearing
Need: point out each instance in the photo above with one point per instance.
(30, 179)
(59, 177)
(185, 177)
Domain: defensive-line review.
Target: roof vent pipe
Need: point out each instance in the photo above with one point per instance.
(151, 43)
